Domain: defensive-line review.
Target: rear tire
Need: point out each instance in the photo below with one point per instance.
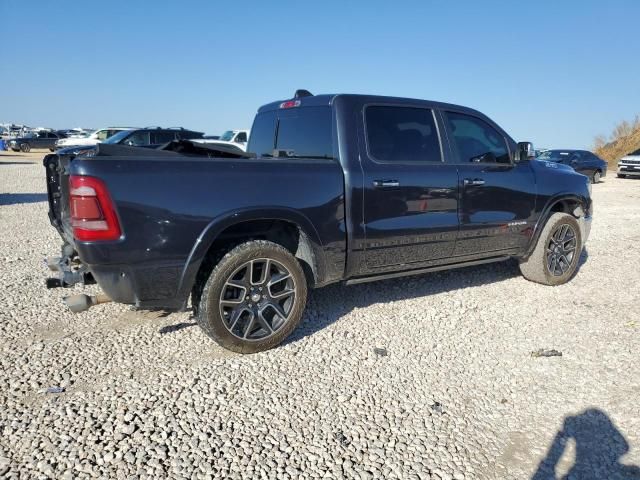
(557, 253)
(25, 147)
(596, 177)
(621, 175)
(254, 297)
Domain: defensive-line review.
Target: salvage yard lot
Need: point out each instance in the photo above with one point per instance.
(452, 392)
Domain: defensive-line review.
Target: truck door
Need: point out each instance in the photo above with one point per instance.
(410, 195)
(497, 196)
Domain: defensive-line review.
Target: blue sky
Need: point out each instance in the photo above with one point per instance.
(553, 72)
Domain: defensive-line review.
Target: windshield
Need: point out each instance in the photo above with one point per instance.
(117, 137)
(227, 136)
(554, 155)
(635, 153)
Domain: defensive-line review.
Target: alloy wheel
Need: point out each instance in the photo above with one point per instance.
(257, 299)
(561, 249)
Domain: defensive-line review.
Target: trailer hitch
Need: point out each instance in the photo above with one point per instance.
(68, 272)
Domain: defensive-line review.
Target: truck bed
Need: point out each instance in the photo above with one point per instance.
(171, 206)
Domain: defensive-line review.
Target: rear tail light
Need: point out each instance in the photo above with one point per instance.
(93, 216)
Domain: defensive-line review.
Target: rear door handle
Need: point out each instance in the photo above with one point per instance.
(473, 181)
(386, 183)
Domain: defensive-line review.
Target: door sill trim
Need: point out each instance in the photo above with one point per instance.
(419, 271)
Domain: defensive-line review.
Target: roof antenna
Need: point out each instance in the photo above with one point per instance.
(302, 93)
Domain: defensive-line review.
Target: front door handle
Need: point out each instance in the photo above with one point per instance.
(386, 183)
(473, 181)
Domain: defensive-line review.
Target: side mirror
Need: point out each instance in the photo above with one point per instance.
(525, 151)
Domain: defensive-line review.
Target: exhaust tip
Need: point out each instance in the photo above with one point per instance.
(81, 302)
(78, 303)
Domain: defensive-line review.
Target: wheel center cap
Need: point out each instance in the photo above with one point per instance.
(255, 297)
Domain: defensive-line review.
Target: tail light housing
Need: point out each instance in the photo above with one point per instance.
(93, 215)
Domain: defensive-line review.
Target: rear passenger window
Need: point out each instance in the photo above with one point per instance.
(305, 132)
(476, 140)
(402, 134)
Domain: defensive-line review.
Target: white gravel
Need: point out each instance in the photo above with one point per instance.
(458, 394)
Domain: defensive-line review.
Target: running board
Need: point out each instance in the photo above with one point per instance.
(419, 271)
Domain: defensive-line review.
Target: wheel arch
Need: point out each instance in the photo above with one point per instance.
(284, 226)
(566, 203)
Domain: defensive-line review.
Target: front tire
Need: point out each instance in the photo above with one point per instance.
(254, 297)
(596, 177)
(621, 175)
(25, 147)
(557, 253)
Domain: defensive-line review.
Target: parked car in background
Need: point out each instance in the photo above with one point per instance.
(629, 165)
(77, 132)
(93, 139)
(333, 188)
(237, 138)
(540, 151)
(150, 137)
(40, 139)
(582, 161)
(153, 136)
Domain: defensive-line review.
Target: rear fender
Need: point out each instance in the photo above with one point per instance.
(229, 219)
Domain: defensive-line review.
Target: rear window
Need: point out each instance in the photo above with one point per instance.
(305, 132)
(293, 133)
(402, 134)
(263, 134)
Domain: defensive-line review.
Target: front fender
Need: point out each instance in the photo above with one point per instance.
(213, 230)
(583, 201)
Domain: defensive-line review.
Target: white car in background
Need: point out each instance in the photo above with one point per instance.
(96, 137)
(629, 165)
(236, 138)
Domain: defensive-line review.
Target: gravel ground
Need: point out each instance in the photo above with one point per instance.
(454, 392)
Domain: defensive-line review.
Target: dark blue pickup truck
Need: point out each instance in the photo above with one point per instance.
(334, 188)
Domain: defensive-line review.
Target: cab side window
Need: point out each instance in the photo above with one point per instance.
(241, 137)
(476, 140)
(402, 134)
